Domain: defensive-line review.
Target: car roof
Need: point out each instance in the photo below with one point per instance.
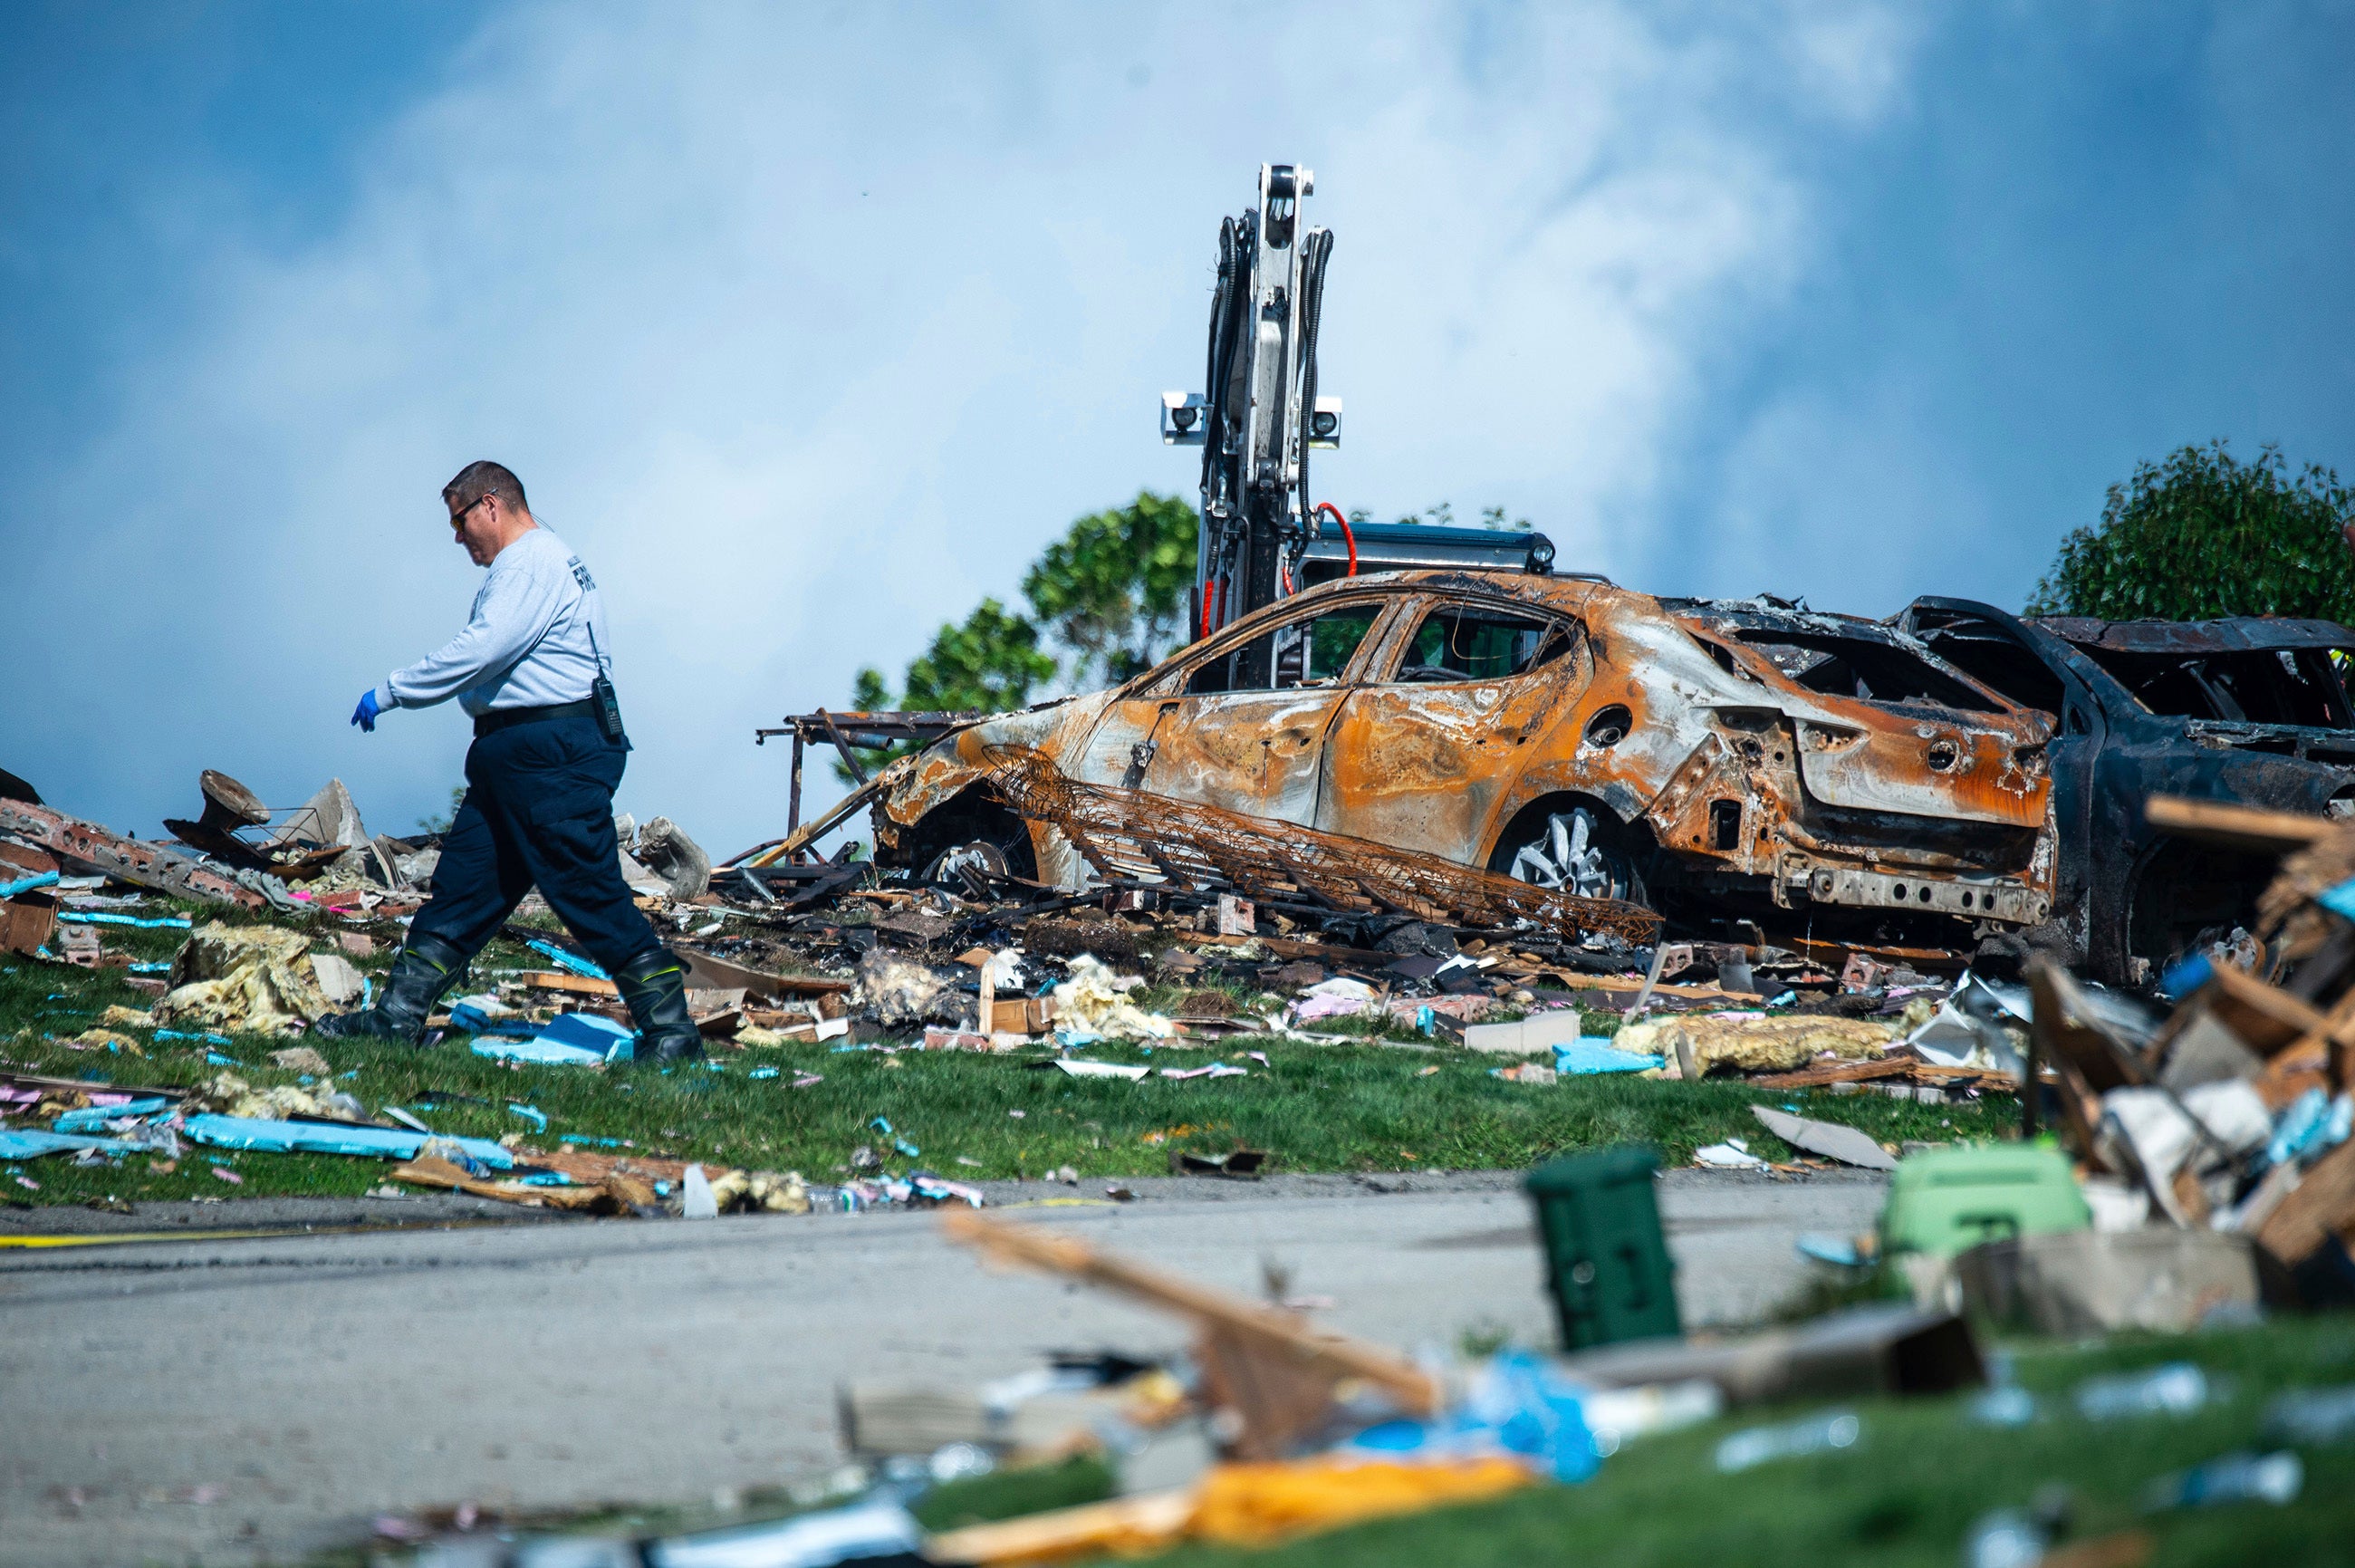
(2240, 633)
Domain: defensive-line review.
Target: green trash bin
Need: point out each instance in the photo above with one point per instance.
(1606, 1260)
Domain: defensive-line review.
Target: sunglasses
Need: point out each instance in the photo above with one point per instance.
(458, 518)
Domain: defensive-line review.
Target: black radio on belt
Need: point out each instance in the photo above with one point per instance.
(608, 707)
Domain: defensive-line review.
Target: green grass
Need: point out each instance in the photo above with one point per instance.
(1009, 1494)
(1907, 1494)
(1319, 1107)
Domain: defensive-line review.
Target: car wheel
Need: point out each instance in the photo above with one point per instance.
(983, 858)
(1577, 851)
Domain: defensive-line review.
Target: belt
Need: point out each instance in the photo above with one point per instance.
(499, 719)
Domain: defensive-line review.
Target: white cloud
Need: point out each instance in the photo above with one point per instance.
(807, 329)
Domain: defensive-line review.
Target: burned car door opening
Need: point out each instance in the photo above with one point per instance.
(1424, 749)
(1240, 722)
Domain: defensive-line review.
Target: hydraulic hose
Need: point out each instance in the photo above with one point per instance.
(1315, 247)
(1220, 350)
(1349, 536)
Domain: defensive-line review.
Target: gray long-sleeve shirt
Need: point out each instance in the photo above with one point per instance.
(527, 644)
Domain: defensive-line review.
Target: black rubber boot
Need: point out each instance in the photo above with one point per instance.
(424, 968)
(655, 989)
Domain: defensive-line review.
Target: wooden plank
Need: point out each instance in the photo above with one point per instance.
(2267, 1019)
(2292, 1072)
(2080, 1106)
(2236, 826)
(809, 832)
(2321, 1057)
(1711, 992)
(1215, 1311)
(2070, 1031)
(1833, 955)
(579, 984)
(2320, 1205)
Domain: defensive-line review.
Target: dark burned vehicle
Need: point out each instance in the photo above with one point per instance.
(2251, 711)
(1716, 760)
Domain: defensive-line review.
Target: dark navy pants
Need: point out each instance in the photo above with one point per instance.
(539, 810)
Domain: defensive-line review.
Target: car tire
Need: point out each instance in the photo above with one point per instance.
(949, 865)
(1581, 851)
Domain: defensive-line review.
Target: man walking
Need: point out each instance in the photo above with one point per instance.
(548, 749)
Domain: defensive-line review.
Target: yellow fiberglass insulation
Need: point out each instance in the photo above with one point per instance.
(255, 978)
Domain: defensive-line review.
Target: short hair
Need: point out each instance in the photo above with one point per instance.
(477, 480)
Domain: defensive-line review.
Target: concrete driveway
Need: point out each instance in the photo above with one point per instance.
(236, 1401)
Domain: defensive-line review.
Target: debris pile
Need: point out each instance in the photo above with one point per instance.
(787, 950)
(2212, 1142)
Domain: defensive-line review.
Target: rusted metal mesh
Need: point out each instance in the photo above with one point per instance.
(1128, 833)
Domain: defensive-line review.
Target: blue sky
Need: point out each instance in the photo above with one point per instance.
(807, 325)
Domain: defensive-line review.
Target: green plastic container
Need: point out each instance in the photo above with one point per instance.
(1606, 1260)
(1949, 1201)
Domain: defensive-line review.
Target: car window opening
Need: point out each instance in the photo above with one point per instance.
(1864, 669)
(2272, 685)
(1723, 658)
(2000, 661)
(1309, 652)
(1457, 645)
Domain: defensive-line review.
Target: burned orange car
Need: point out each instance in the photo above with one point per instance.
(1728, 759)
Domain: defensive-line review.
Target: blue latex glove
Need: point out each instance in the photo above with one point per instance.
(365, 714)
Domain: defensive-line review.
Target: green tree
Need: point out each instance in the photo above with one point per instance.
(441, 822)
(2203, 536)
(991, 662)
(1443, 516)
(1114, 589)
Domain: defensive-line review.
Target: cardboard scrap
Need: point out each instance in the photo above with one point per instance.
(1830, 1140)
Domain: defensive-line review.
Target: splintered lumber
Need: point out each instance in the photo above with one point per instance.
(2266, 1017)
(433, 1171)
(2059, 1043)
(810, 832)
(2305, 1065)
(2073, 1034)
(2321, 1205)
(2236, 826)
(127, 859)
(2320, 1056)
(1268, 1365)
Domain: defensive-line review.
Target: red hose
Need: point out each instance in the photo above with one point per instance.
(1345, 534)
(1209, 604)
